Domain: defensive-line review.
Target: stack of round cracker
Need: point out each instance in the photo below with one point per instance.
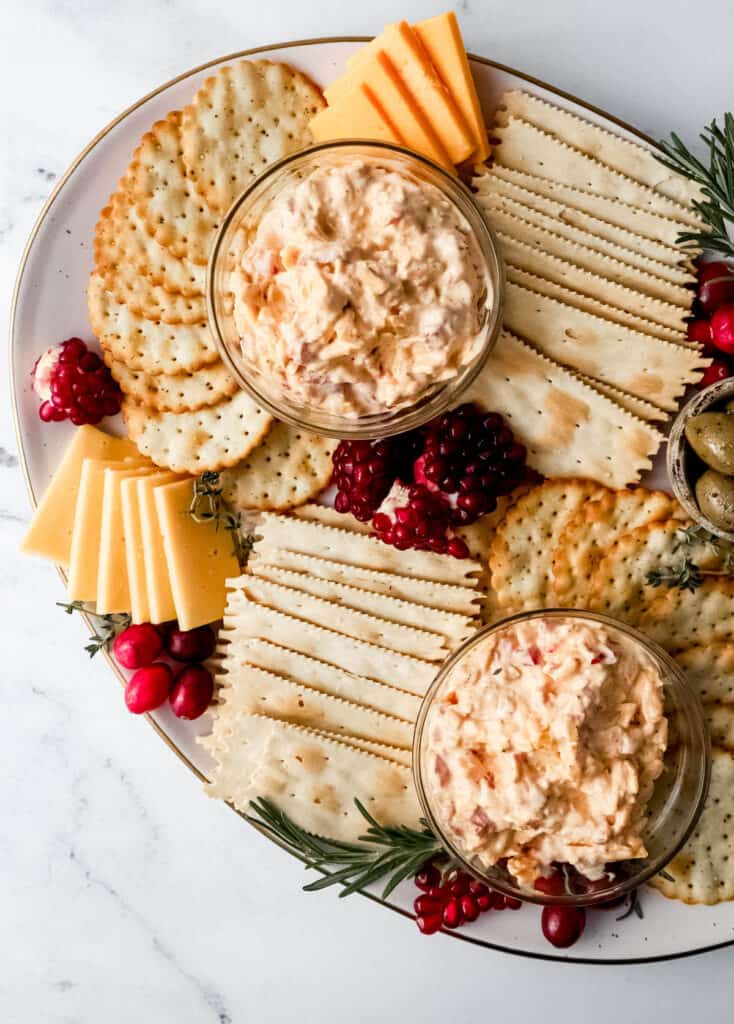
(146, 297)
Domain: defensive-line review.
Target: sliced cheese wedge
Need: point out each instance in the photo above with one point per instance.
(160, 598)
(113, 587)
(395, 101)
(199, 556)
(87, 528)
(49, 535)
(356, 114)
(407, 55)
(441, 37)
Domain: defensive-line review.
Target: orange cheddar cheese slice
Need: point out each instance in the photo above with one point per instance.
(411, 62)
(378, 74)
(441, 37)
(356, 114)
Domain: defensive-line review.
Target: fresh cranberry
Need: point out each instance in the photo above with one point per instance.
(717, 370)
(192, 692)
(137, 646)
(427, 877)
(428, 924)
(190, 644)
(80, 385)
(148, 688)
(716, 286)
(562, 926)
(512, 903)
(722, 328)
(551, 885)
(699, 331)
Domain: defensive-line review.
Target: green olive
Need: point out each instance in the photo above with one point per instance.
(715, 496)
(711, 435)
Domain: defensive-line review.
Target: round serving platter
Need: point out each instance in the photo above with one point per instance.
(49, 304)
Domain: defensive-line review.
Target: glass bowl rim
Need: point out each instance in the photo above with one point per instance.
(411, 416)
(617, 890)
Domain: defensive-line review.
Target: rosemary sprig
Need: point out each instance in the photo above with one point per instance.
(687, 574)
(207, 505)
(634, 907)
(394, 853)
(716, 181)
(106, 627)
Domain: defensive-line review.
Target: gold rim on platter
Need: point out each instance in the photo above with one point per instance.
(102, 134)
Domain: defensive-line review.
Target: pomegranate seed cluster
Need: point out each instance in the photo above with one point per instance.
(416, 488)
(458, 900)
(81, 387)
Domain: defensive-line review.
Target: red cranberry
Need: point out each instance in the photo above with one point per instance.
(137, 646)
(562, 926)
(717, 370)
(722, 328)
(148, 688)
(716, 287)
(192, 692)
(699, 331)
(512, 903)
(191, 644)
(81, 387)
(551, 885)
(427, 877)
(428, 924)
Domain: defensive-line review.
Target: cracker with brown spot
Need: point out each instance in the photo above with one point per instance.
(645, 366)
(122, 240)
(677, 618)
(146, 345)
(521, 552)
(179, 392)
(631, 403)
(594, 529)
(703, 871)
(568, 428)
(204, 440)
(243, 118)
(166, 200)
(289, 467)
(710, 670)
(313, 778)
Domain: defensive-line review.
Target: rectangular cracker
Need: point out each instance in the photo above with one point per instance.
(453, 628)
(418, 643)
(458, 600)
(637, 406)
(520, 192)
(313, 778)
(568, 429)
(527, 148)
(648, 367)
(330, 517)
(243, 618)
(321, 676)
(555, 290)
(570, 275)
(628, 158)
(608, 209)
(354, 549)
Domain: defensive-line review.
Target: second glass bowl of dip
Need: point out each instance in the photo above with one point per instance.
(679, 794)
(246, 213)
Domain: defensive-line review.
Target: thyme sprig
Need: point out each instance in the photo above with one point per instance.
(717, 184)
(686, 574)
(391, 853)
(106, 627)
(208, 505)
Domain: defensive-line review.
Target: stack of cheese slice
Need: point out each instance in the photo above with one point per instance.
(411, 86)
(120, 528)
(329, 642)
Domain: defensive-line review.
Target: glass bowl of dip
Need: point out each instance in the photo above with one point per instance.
(342, 395)
(678, 792)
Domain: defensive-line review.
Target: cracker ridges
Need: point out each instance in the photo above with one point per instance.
(638, 407)
(151, 301)
(180, 392)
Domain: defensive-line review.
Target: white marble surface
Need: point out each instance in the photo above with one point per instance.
(124, 893)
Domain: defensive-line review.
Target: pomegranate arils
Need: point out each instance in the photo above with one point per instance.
(452, 916)
(469, 908)
(80, 387)
(428, 924)
(363, 473)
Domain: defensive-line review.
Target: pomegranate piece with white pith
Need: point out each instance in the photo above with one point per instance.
(74, 384)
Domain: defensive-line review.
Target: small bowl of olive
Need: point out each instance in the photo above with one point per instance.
(701, 458)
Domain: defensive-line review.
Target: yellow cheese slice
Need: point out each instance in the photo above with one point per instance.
(390, 92)
(200, 557)
(407, 55)
(160, 598)
(356, 115)
(133, 530)
(85, 536)
(441, 37)
(49, 535)
(113, 588)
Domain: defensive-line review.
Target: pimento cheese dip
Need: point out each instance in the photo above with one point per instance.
(360, 288)
(543, 746)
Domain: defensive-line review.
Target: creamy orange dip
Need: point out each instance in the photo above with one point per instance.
(543, 746)
(360, 288)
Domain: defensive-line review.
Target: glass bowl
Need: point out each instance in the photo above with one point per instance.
(247, 211)
(679, 792)
(683, 461)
